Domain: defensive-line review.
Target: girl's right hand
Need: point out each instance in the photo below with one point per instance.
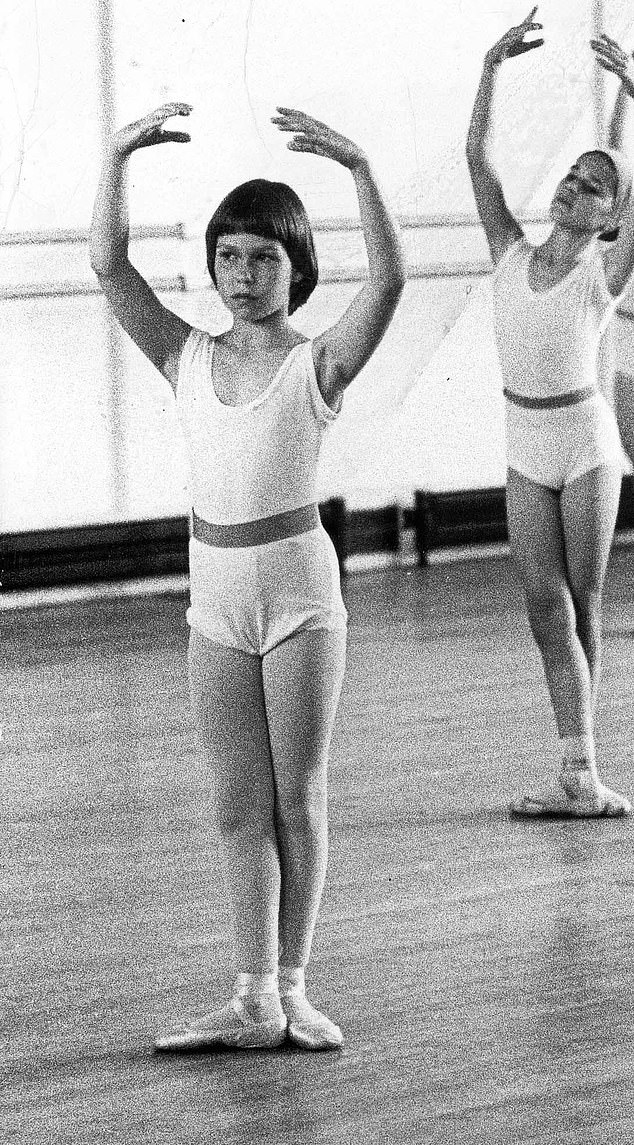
(317, 138)
(512, 42)
(148, 131)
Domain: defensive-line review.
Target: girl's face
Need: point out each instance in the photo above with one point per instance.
(253, 275)
(584, 200)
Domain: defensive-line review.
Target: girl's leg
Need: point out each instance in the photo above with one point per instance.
(302, 684)
(588, 512)
(561, 546)
(624, 408)
(537, 540)
(228, 702)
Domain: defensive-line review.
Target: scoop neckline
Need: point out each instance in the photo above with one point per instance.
(556, 286)
(265, 392)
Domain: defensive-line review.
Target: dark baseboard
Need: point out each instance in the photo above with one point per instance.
(93, 553)
(159, 547)
(478, 516)
(625, 518)
(450, 520)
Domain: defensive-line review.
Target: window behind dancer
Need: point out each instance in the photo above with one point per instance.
(268, 624)
(551, 305)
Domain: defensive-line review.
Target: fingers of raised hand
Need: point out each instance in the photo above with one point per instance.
(528, 25)
(150, 129)
(523, 30)
(605, 45)
(166, 111)
(175, 107)
(608, 66)
(295, 113)
(610, 57)
(313, 136)
(304, 143)
(512, 43)
(308, 134)
(284, 124)
(291, 120)
(519, 48)
(608, 44)
(173, 137)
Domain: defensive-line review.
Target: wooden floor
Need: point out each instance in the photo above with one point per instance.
(482, 969)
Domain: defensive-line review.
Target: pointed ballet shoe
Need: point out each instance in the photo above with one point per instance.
(308, 1027)
(608, 805)
(587, 795)
(241, 1025)
(534, 806)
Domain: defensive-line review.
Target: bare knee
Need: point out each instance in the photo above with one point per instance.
(302, 809)
(588, 605)
(588, 602)
(551, 614)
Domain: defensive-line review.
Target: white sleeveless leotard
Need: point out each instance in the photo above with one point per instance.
(247, 462)
(548, 340)
(259, 458)
(547, 345)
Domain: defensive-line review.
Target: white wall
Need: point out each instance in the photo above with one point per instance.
(399, 75)
(396, 74)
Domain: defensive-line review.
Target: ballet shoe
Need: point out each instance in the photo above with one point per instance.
(244, 1023)
(583, 796)
(587, 795)
(308, 1027)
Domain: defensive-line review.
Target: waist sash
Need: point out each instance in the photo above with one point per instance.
(572, 398)
(261, 531)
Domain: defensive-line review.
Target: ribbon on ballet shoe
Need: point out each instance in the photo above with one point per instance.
(541, 806)
(580, 783)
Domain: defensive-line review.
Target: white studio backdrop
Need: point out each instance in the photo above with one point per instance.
(397, 75)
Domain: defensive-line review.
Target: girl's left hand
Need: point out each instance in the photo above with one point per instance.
(317, 138)
(612, 57)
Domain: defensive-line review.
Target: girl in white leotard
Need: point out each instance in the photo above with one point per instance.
(268, 624)
(551, 304)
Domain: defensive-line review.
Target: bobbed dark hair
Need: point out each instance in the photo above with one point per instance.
(271, 211)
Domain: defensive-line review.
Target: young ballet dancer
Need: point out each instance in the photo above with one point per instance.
(551, 305)
(267, 620)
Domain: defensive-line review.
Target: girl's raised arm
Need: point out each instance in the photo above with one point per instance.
(619, 261)
(501, 227)
(343, 350)
(158, 332)
(616, 126)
